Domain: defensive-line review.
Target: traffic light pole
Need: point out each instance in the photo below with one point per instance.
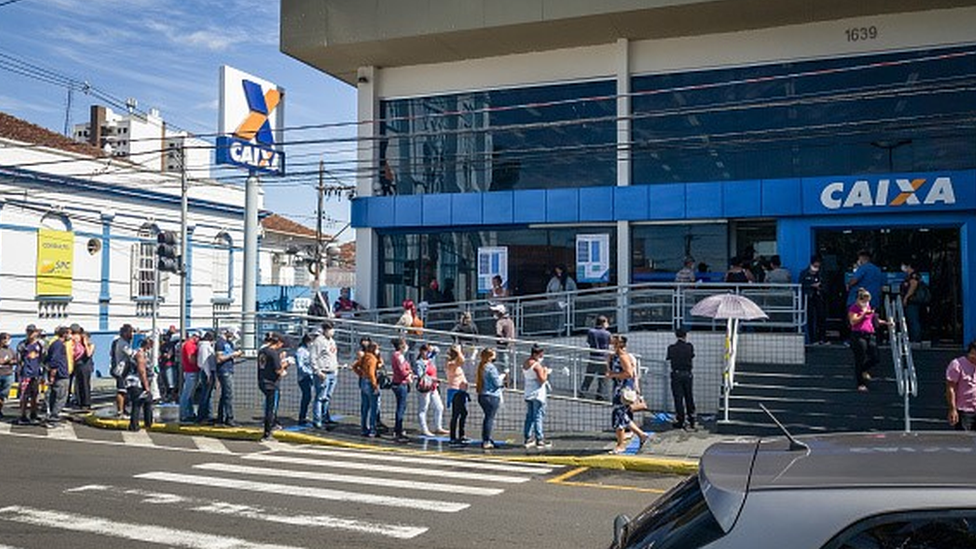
(185, 317)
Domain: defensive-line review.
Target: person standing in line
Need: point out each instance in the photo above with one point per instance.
(536, 381)
(207, 362)
(911, 291)
(8, 360)
(811, 281)
(504, 332)
(777, 273)
(560, 282)
(189, 351)
(84, 352)
(224, 356)
(489, 384)
(457, 395)
(622, 370)
(272, 367)
(427, 393)
(866, 276)
(121, 353)
(60, 366)
(598, 339)
(681, 355)
(466, 333)
(861, 316)
(303, 361)
(369, 390)
(325, 365)
(167, 364)
(402, 377)
(961, 390)
(139, 387)
(31, 374)
(686, 275)
(498, 289)
(738, 273)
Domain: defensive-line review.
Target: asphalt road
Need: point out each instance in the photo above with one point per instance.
(83, 488)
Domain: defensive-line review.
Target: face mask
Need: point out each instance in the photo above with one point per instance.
(814, 269)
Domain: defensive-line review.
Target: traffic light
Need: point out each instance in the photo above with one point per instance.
(167, 253)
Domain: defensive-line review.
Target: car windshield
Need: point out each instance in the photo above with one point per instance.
(679, 519)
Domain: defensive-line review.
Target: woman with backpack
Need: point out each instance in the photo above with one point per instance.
(914, 296)
(536, 394)
(402, 376)
(457, 394)
(139, 387)
(369, 389)
(427, 394)
(489, 384)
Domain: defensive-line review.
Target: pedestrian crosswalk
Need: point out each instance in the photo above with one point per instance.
(369, 495)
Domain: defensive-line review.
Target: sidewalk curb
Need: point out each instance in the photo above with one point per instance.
(614, 462)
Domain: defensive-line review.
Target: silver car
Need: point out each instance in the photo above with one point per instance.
(845, 491)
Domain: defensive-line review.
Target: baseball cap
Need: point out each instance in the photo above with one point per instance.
(499, 308)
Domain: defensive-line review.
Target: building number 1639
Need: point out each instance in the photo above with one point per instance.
(858, 34)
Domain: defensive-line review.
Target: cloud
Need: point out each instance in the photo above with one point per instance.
(12, 105)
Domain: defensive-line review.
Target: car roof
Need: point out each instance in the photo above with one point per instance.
(864, 460)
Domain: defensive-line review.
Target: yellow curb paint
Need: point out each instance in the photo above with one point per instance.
(626, 463)
(612, 487)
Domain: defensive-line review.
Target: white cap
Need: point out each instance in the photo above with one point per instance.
(499, 308)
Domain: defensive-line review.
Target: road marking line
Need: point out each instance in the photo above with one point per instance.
(211, 445)
(397, 531)
(304, 491)
(427, 460)
(563, 480)
(351, 479)
(147, 533)
(378, 468)
(137, 438)
(568, 475)
(63, 431)
(4, 429)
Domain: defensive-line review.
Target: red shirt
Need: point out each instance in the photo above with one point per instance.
(189, 355)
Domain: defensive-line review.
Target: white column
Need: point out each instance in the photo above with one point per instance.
(622, 63)
(367, 158)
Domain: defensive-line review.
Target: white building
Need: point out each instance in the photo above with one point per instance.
(78, 237)
(144, 140)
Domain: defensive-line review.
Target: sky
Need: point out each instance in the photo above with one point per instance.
(166, 54)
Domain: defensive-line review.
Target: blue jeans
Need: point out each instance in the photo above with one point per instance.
(225, 407)
(270, 409)
(191, 382)
(535, 413)
(305, 386)
(6, 382)
(400, 392)
(207, 384)
(369, 409)
(489, 404)
(323, 396)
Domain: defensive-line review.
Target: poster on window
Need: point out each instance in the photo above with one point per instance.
(55, 255)
(492, 261)
(593, 258)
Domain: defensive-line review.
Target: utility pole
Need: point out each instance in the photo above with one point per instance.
(319, 279)
(184, 236)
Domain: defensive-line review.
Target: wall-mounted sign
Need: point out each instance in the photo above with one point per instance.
(492, 261)
(55, 259)
(593, 258)
(890, 193)
(250, 123)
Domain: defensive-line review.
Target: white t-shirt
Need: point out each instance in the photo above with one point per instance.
(206, 358)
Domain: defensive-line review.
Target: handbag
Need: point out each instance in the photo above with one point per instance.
(384, 380)
(628, 396)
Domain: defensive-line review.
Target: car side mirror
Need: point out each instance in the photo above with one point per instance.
(619, 530)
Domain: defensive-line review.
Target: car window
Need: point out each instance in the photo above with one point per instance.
(679, 519)
(949, 529)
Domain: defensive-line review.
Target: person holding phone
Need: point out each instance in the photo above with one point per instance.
(862, 318)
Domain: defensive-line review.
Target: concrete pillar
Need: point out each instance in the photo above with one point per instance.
(622, 64)
(105, 291)
(367, 269)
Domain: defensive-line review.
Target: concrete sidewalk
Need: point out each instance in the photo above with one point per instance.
(668, 450)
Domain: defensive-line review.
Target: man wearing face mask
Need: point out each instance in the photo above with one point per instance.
(811, 280)
(867, 275)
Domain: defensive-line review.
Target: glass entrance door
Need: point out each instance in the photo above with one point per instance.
(935, 252)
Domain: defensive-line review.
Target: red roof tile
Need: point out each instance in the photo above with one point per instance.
(14, 128)
(278, 224)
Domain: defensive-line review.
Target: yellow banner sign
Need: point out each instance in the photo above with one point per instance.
(55, 259)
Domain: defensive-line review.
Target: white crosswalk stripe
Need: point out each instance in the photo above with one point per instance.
(423, 486)
(427, 460)
(198, 505)
(379, 468)
(306, 491)
(4, 429)
(211, 445)
(137, 438)
(147, 533)
(62, 431)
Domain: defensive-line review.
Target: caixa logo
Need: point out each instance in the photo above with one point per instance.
(883, 193)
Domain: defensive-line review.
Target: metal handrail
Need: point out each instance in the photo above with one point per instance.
(901, 353)
(664, 305)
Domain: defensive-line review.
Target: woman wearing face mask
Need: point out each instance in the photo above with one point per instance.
(864, 343)
(911, 299)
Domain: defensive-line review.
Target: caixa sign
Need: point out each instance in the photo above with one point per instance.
(251, 114)
(892, 193)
